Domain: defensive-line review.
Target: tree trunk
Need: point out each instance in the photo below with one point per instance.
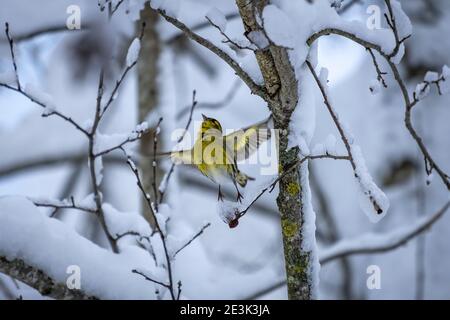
(282, 86)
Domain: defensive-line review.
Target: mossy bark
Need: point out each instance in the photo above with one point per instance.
(282, 87)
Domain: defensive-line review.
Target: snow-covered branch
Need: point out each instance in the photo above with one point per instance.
(392, 58)
(377, 198)
(378, 243)
(39, 280)
(255, 88)
(39, 250)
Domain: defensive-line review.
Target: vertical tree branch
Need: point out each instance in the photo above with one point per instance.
(148, 93)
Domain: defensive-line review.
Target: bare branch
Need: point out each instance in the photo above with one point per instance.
(20, 90)
(149, 202)
(285, 172)
(146, 277)
(195, 236)
(380, 74)
(121, 79)
(255, 88)
(64, 204)
(13, 56)
(228, 39)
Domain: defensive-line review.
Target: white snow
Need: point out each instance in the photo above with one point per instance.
(331, 144)
(431, 76)
(171, 7)
(88, 202)
(372, 200)
(259, 39)
(422, 91)
(40, 96)
(218, 18)
(133, 52)
(104, 142)
(309, 243)
(278, 26)
(375, 87)
(227, 210)
(52, 246)
(402, 21)
(98, 162)
(119, 223)
(8, 77)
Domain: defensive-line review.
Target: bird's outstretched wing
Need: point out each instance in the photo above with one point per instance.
(244, 142)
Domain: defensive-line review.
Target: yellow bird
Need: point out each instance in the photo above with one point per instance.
(216, 155)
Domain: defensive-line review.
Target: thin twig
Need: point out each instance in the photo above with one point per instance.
(228, 39)
(380, 74)
(122, 77)
(172, 166)
(295, 164)
(13, 56)
(155, 149)
(146, 277)
(255, 88)
(195, 236)
(158, 229)
(65, 204)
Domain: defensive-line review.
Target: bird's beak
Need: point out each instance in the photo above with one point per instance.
(204, 117)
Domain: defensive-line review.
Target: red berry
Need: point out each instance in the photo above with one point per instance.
(233, 223)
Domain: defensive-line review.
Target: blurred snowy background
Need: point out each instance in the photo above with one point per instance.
(44, 157)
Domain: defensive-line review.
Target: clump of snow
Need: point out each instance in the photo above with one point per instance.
(228, 212)
(218, 18)
(431, 76)
(318, 150)
(40, 96)
(119, 223)
(303, 119)
(331, 144)
(98, 162)
(171, 7)
(402, 21)
(133, 52)
(373, 201)
(400, 54)
(422, 90)
(88, 202)
(162, 215)
(278, 26)
(259, 39)
(87, 125)
(445, 84)
(309, 243)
